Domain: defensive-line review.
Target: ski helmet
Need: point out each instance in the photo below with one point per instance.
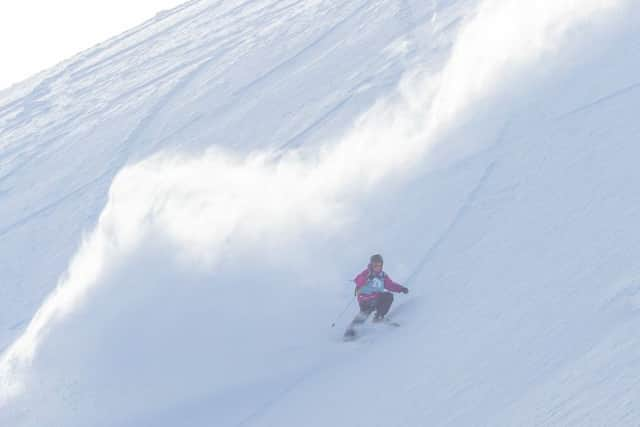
(377, 258)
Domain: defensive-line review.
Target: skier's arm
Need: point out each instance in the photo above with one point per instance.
(393, 286)
(361, 279)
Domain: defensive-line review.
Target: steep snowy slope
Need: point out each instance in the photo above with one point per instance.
(487, 149)
(236, 74)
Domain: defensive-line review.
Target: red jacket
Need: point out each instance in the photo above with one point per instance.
(366, 292)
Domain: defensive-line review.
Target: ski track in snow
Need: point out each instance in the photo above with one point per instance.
(611, 96)
(464, 208)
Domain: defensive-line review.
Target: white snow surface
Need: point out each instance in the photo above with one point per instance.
(182, 209)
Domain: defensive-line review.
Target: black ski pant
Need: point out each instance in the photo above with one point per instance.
(380, 305)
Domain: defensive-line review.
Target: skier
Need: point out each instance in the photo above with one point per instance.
(371, 286)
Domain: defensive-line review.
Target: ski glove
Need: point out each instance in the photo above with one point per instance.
(404, 290)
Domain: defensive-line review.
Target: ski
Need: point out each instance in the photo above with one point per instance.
(352, 334)
(391, 323)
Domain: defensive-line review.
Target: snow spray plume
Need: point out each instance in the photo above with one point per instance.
(218, 206)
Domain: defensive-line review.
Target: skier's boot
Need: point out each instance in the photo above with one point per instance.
(349, 334)
(378, 318)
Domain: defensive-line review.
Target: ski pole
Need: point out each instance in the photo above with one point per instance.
(343, 312)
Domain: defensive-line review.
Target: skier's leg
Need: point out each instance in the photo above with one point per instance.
(366, 308)
(361, 317)
(383, 304)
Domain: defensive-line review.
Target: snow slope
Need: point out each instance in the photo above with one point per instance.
(183, 206)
